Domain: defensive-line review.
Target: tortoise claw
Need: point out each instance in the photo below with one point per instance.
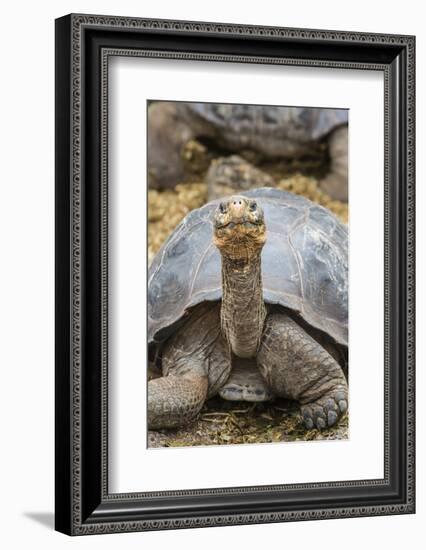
(325, 412)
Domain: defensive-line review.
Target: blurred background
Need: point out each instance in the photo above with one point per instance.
(201, 151)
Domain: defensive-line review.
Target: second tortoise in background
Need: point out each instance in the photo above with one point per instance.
(271, 131)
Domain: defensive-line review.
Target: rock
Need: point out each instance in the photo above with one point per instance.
(229, 175)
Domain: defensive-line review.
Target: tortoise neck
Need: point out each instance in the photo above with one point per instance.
(243, 309)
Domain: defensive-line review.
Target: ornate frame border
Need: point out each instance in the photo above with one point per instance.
(84, 506)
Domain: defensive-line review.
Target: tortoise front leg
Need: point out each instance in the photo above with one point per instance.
(167, 135)
(335, 182)
(174, 401)
(196, 362)
(297, 367)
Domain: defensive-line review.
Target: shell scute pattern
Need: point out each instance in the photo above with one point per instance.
(268, 128)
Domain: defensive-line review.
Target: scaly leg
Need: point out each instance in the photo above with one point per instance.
(174, 401)
(297, 367)
(196, 362)
(245, 383)
(167, 135)
(335, 183)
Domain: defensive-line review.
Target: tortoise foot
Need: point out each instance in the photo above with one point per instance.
(326, 411)
(245, 383)
(245, 392)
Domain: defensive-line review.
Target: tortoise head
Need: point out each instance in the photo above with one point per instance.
(239, 228)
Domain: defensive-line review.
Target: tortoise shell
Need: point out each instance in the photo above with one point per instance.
(269, 129)
(304, 265)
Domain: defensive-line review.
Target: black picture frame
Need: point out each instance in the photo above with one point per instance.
(83, 45)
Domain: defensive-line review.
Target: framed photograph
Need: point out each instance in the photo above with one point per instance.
(234, 274)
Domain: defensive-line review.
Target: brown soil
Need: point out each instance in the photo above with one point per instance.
(229, 422)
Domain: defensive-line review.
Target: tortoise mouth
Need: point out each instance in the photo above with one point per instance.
(244, 223)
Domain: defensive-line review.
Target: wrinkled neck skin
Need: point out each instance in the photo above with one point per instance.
(243, 310)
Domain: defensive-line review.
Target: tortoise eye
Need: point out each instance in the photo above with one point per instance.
(253, 206)
(222, 208)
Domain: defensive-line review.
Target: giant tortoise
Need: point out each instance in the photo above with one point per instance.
(248, 299)
(271, 131)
